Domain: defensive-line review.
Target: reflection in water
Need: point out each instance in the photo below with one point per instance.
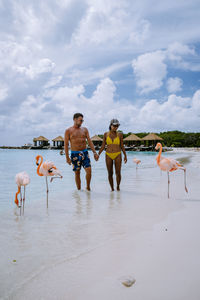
(88, 203)
(115, 199)
(83, 198)
(77, 197)
(118, 197)
(111, 202)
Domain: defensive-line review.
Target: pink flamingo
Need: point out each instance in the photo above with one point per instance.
(21, 179)
(47, 168)
(169, 165)
(137, 162)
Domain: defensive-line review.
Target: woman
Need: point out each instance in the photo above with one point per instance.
(114, 142)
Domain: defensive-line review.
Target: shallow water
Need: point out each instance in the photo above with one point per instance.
(79, 221)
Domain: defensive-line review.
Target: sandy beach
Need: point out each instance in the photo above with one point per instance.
(163, 260)
(85, 247)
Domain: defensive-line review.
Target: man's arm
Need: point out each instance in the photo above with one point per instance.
(66, 143)
(90, 143)
(103, 144)
(122, 147)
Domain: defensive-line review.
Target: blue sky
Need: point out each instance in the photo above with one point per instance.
(108, 59)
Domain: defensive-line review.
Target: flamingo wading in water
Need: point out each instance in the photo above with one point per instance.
(47, 168)
(21, 179)
(169, 165)
(137, 162)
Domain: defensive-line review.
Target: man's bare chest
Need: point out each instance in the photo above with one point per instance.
(77, 134)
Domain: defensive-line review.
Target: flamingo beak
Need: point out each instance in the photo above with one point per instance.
(37, 164)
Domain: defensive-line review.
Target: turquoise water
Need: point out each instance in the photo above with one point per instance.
(15, 161)
(78, 221)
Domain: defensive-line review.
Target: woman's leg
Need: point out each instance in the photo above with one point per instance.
(109, 165)
(118, 164)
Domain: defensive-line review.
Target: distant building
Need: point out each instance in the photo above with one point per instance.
(58, 142)
(97, 141)
(41, 141)
(132, 140)
(152, 139)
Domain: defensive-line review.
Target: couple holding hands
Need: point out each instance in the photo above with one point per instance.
(112, 140)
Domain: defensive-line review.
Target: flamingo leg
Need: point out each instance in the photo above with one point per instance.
(23, 200)
(184, 169)
(185, 181)
(52, 178)
(47, 190)
(168, 183)
(20, 202)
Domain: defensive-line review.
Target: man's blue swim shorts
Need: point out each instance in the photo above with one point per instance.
(79, 159)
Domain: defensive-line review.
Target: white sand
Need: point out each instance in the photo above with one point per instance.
(165, 264)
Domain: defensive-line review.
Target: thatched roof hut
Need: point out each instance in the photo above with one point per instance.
(58, 142)
(40, 141)
(40, 138)
(97, 141)
(132, 138)
(152, 137)
(96, 138)
(58, 139)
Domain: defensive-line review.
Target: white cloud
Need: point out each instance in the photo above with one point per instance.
(3, 93)
(110, 22)
(176, 51)
(174, 84)
(183, 57)
(53, 81)
(150, 70)
(37, 115)
(44, 65)
(66, 47)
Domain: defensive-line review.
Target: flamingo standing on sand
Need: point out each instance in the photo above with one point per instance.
(169, 165)
(47, 168)
(21, 179)
(137, 162)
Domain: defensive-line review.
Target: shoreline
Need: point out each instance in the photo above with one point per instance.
(165, 149)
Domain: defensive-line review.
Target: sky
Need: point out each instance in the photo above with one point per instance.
(137, 61)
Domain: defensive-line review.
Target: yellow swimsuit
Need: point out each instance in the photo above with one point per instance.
(115, 142)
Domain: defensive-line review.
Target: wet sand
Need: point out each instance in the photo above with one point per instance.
(164, 261)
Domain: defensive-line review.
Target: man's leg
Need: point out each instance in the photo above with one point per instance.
(118, 164)
(88, 177)
(78, 179)
(109, 165)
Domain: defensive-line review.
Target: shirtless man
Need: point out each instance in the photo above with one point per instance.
(77, 136)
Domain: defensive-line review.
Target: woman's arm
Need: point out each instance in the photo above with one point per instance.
(122, 147)
(103, 144)
(90, 143)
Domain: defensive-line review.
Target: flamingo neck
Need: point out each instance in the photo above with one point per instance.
(38, 168)
(159, 155)
(16, 199)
